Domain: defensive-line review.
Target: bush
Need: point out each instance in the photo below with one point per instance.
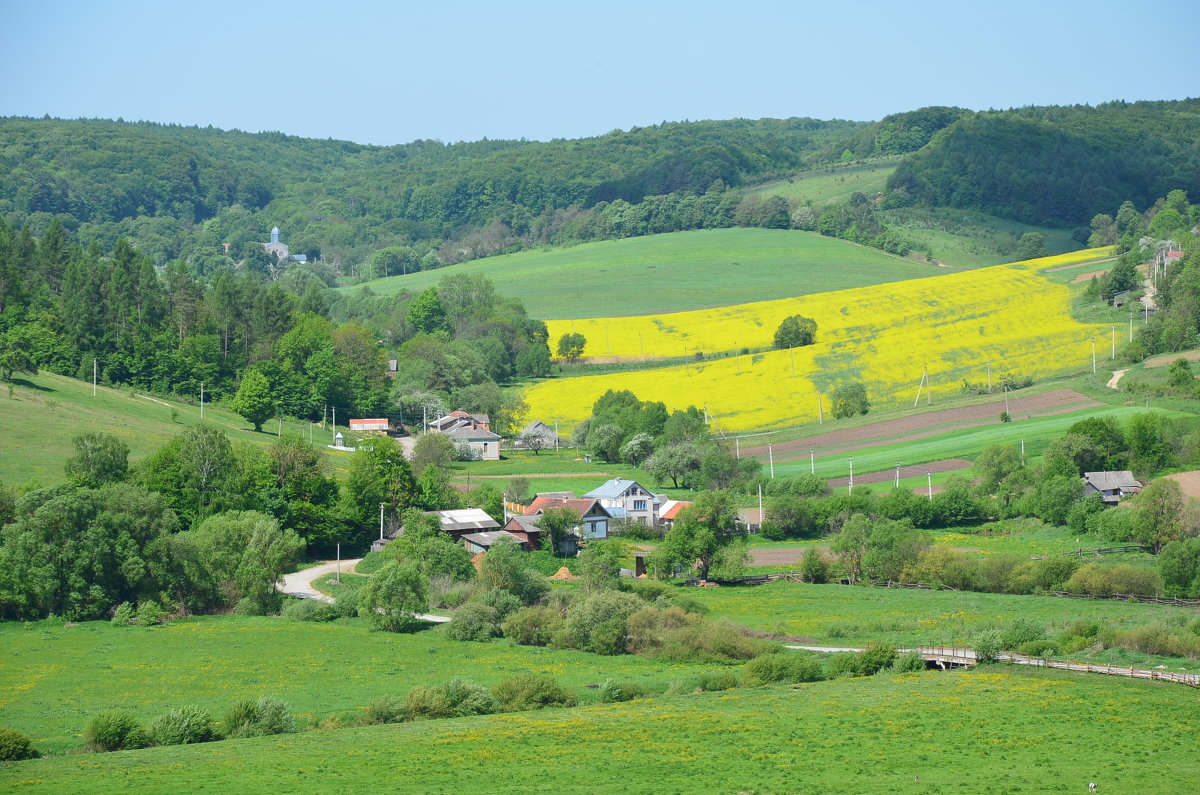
(532, 626)
(1123, 578)
(843, 663)
(150, 613)
(308, 610)
(611, 692)
(1038, 648)
(15, 746)
(467, 698)
(597, 624)
(717, 681)
(386, 709)
(525, 692)
(710, 641)
(987, 645)
(875, 658)
(1021, 631)
(248, 607)
(426, 703)
(908, 663)
(782, 667)
(124, 615)
(474, 621)
(346, 604)
(114, 730)
(502, 601)
(183, 726)
(250, 718)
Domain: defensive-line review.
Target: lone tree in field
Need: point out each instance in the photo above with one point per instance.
(850, 399)
(795, 331)
(570, 346)
(253, 399)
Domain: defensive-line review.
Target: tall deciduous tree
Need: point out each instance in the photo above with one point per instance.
(700, 533)
(253, 399)
(99, 458)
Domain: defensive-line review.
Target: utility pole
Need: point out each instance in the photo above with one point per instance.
(339, 563)
(760, 508)
(989, 366)
(94, 384)
(929, 478)
(851, 473)
(812, 462)
(737, 448)
(771, 456)
(1114, 341)
(1093, 355)
(381, 520)
(897, 475)
(820, 410)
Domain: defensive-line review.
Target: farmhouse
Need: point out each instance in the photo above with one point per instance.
(456, 523)
(1111, 486)
(539, 431)
(629, 500)
(459, 418)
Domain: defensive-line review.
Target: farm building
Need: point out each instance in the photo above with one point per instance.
(456, 523)
(592, 513)
(456, 419)
(376, 426)
(482, 542)
(540, 431)
(669, 512)
(483, 444)
(1111, 486)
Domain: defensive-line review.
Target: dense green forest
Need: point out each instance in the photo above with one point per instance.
(1057, 166)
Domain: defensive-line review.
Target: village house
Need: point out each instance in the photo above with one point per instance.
(378, 427)
(472, 431)
(456, 523)
(1111, 486)
(669, 512)
(482, 542)
(628, 500)
(544, 435)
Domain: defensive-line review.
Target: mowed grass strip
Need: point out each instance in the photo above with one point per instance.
(673, 272)
(989, 730)
(53, 678)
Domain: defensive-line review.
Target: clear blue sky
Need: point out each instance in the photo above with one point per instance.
(392, 72)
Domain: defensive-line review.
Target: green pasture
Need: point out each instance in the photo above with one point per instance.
(987, 730)
(839, 615)
(42, 413)
(53, 678)
(969, 239)
(833, 184)
(674, 272)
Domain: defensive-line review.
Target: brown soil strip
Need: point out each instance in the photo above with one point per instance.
(1058, 268)
(1085, 277)
(905, 428)
(1166, 358)
(1189, 481)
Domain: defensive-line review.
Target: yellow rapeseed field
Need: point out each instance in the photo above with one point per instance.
(883, 336)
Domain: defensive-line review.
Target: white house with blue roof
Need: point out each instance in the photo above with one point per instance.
(629, 500)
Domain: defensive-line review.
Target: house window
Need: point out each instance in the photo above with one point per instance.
(639, 505)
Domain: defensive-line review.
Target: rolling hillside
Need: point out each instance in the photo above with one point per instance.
(673, 272)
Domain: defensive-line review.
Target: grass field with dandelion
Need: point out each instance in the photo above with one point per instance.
(986, 730)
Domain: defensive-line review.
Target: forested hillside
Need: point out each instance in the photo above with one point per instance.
(1057, 166)
(181, 192)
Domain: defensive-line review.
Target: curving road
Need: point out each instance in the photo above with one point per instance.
(300, 585)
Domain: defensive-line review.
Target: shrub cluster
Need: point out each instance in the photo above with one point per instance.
(15, 746)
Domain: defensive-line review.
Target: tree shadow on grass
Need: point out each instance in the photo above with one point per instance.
(31, 385)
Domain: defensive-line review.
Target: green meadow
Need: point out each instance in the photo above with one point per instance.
(987, 730)
(674, 272)
(42, 413)
(54, 677)
(833, 184)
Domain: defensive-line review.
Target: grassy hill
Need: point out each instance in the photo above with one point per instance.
(832, 184)
(674, 272)
(41, 414)
(964, 731)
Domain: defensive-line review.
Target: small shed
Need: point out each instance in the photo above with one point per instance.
(482, 542)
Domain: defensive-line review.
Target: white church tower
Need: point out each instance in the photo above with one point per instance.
(280, 250)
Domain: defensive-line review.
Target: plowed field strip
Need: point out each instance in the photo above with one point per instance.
(927, 424)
